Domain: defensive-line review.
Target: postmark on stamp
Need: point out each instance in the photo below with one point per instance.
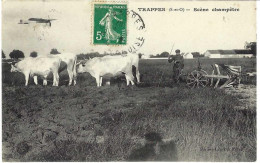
(110, 24)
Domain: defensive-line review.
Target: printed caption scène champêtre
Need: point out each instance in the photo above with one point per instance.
(199, 9)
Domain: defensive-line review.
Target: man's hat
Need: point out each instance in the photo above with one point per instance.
(177, 51)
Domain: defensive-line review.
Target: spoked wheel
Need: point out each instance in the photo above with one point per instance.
(197, 79)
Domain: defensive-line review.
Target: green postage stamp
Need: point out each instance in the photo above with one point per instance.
(110, 23)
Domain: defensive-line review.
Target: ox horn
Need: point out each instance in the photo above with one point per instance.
(79, 62)
(9, 62)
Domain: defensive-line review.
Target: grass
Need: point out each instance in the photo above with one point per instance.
(195, 124)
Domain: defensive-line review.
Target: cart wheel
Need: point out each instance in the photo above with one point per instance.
(197, 79)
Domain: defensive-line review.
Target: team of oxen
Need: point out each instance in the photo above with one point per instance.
(97, 67)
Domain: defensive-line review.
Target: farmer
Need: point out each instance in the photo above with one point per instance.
(178, 65)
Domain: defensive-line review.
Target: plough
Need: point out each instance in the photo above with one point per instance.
(200, 78)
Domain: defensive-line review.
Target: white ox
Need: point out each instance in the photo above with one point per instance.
(38, 66)
(70, 60)
(134, 60)
(112, 65)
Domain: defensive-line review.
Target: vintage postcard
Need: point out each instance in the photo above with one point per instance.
(137, 80)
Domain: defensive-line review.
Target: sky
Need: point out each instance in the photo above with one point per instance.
(72, 31)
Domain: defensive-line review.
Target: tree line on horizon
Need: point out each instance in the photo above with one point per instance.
(16, 54)
(166, 54)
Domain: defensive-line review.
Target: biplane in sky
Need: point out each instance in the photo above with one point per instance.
(37, 20)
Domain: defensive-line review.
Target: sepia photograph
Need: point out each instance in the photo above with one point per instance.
(124, 81)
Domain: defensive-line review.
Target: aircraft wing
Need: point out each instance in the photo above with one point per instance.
(40, 19)
(36, 19)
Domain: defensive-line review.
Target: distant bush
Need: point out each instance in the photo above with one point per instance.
(54, 51)
(140, 55)
(33, 54)
(3, 54)
(124, 52)
(162, 55)
(16, 54)
(197, 55)
(252, 47)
